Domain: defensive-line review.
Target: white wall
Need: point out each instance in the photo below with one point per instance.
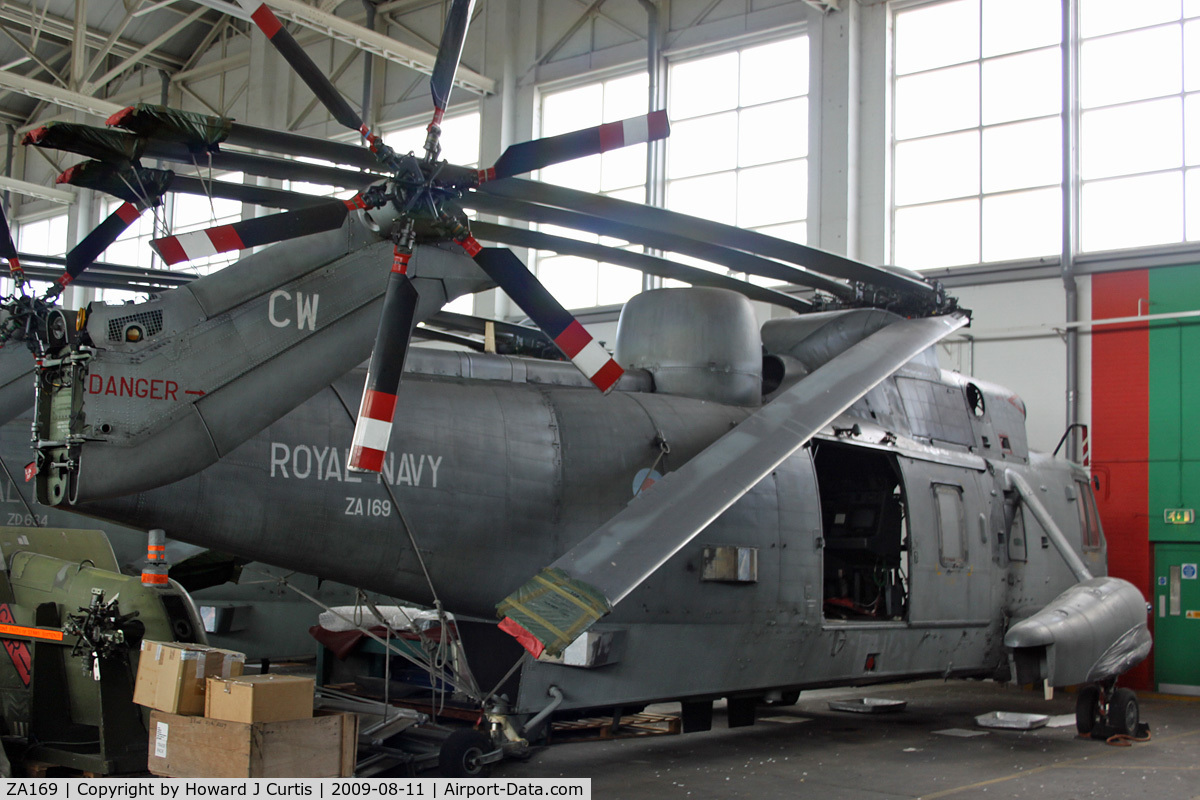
(1009, 343)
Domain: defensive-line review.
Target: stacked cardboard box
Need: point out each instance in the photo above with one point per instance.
(254, 726)
(172, 676)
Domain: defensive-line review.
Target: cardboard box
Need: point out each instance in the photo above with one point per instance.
(324, 746)
(171, 676)
(259, 698)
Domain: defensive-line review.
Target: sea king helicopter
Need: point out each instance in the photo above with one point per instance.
(716, 510)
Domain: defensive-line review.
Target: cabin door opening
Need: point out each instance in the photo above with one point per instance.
(865, 532)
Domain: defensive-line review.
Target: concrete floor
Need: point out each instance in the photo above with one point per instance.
(809, 751)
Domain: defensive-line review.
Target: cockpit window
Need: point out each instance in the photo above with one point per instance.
(1089, 519)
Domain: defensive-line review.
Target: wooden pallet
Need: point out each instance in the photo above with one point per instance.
(632, 726)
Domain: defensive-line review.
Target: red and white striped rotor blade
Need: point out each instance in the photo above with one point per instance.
(373, 428)
(528, 156)
(547, 313)
(254, 232)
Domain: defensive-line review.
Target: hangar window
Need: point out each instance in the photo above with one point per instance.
(978, 178)
(952, 525)
(580, 282)
(865, 567)
(47, 237)
(738, 154)
(738, 151)
(1139, 81)
(460, 138)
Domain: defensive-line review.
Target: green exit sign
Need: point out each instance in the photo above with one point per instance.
(1179, 516)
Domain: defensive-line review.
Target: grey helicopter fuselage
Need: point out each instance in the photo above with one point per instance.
(500, 464)
(892, 545)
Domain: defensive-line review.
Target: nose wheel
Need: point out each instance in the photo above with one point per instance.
(1103, 711)
(1123, 712)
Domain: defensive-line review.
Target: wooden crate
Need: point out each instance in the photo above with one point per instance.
(323, 746)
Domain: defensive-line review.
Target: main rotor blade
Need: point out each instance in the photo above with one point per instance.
(308, 71)
(8, 250)
(730, 258)
(522, 339)
(521, 237)
(715, 233)
(263, 166)
(435, 335)
(96, 242)
(102, 144)
(293, 144)
(120, 150)
(373, 428)
(547, 313)
(596, 574)
(104, 275)
(253, 195)
(135, 184)
(528, 156)
(202, 132)
(253, 232)
(469, 323)
(454, 35)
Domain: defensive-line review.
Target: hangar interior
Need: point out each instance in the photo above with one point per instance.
(1040, 159)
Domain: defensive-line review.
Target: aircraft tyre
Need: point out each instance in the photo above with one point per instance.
(460, 754)
(1087, 709)
(1123, 712)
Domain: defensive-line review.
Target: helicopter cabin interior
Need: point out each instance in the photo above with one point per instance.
(865, 532)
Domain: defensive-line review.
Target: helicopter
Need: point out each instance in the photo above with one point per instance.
(717, 509)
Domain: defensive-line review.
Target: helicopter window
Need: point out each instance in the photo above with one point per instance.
(975, 400)
(952, 533)
(936, 411)
(1089, 520)
(863, 517)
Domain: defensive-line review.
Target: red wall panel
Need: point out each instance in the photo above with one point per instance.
(1120, 431)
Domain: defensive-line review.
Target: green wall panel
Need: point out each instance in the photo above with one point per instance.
(1174, 413)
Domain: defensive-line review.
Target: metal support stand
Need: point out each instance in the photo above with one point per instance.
(118, 744)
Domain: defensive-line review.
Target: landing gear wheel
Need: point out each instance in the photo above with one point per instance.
(1087, 710)
(461, 752)
(1123, 713)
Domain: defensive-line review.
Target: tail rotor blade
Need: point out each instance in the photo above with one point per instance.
(569, 336)
(308, 71)
(96, 242)
(454, 34)
(373, 428)
(254, 232)
(528, 156)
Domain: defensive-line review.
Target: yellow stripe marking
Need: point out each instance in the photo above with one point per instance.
(559, 590)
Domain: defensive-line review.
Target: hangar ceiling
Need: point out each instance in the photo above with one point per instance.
(106, 48)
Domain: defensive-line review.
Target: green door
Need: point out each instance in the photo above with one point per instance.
(1177, 618)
